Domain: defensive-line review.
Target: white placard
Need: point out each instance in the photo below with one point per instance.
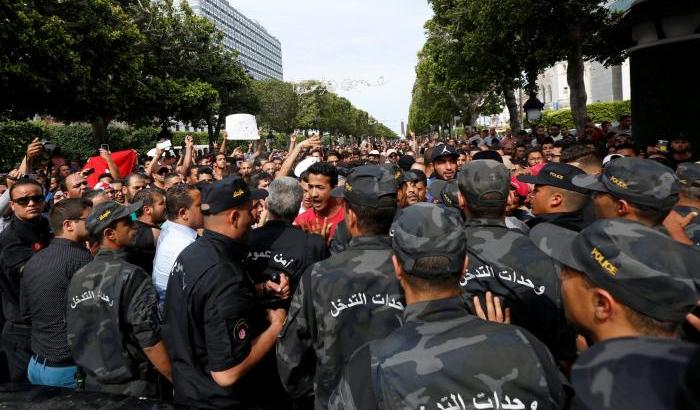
(242, 127)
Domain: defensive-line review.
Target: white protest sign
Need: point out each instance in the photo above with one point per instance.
(241, 127)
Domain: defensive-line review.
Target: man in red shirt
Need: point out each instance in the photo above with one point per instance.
(326, 211)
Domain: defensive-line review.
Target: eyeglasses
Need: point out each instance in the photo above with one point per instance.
(24, 201)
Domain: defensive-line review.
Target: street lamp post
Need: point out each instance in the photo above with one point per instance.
(662, 38)
(533, 109)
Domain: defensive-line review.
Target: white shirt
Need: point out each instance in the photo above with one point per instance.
(173, 238)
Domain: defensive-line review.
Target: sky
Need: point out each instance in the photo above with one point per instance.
(367, 49)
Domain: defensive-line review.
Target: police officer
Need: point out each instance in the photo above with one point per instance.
(348, 299)
(636, 189)
(214, 333)
(628, 288)
(555, 199)
(443, 357)
(111, 318)
(506, 262)
(26, 234)
(279, 251)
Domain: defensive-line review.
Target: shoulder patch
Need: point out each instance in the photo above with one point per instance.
(241, 331)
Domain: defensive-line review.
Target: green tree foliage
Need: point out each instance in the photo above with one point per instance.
(597, 112)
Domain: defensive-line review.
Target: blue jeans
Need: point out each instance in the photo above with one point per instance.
(41, 374)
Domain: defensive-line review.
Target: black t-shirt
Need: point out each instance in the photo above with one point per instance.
(144, 249)
(210, 322)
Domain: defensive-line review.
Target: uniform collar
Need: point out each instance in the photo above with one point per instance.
(105, 253)
(486, 222)
(436, 310)
(231, 247)
(370, 242)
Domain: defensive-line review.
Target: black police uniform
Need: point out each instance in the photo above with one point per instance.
(210, 321)
(18, 242)
(280, 247)
(144, 250)
(111, 317)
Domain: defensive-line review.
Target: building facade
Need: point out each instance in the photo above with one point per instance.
(258, 51)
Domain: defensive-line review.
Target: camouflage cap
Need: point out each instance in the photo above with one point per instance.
(367, 184)
(481, 177)
(448, 195)
(105, 213)
(639, 266)
(639, 181)
(424, 230)
(688, 174)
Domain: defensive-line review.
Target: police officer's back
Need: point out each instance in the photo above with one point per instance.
(279, 247)
(348, 299)
(628, 288)
(443, 357)
(215, 334)
(506, 262)
(111, 317)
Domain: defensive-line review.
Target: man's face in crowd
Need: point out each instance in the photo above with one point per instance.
(333, 159)
(605, 205)
(221, 161)
(547, 148)
(135, 185)
(626, 152)
(205, 177)
(394, 157)
(553, 130)
(125, 232)
(81, 225)
(77, 184)
(263, 183)
(192, 176)
(258, 207)
(564, 131)
(408, 194)
(158, 209)
(461, 160)
(445, 167)
(576, 295)
(3, 188)
(492, 132)
(245, 169)
(27, 202)
(194, 212)
(539, 131)
(278, 164)
(320, 191)
(520, 152)
(172, 181)
(63, 171)
(555, 155)
(680, 146)
(508, 149)
(118, 193)
(374, 159)
(269, 167)
(52, 187)
(306, 199)
(534, 158)
(205, 162)
(316, 154)
(421, 191)
(626, 123)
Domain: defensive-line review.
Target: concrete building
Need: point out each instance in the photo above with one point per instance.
(259, 51)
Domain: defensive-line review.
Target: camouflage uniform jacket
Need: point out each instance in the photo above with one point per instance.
(630, 373)
(445, 358)
(341, 303)
(507, 263)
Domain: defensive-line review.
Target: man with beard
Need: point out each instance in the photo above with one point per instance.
(412, 189)
(26, 234)
(149, 219)
(680, 151)
(74, 185)
(134, 183)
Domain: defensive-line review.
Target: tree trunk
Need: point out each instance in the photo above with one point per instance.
(99, 130)
(513, 111)
(577, 87)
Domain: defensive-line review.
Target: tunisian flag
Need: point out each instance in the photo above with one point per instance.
(125, 161)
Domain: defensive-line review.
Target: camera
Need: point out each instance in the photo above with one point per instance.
(48, 145)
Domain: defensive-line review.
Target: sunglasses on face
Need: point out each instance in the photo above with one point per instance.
(24, 201)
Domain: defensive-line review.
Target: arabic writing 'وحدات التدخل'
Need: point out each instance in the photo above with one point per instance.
(361, 299)
(481, 401)
(485, 271)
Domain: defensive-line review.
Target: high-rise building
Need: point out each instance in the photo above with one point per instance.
(259, 51)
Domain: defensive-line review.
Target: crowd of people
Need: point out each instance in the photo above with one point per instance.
(539, 270)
